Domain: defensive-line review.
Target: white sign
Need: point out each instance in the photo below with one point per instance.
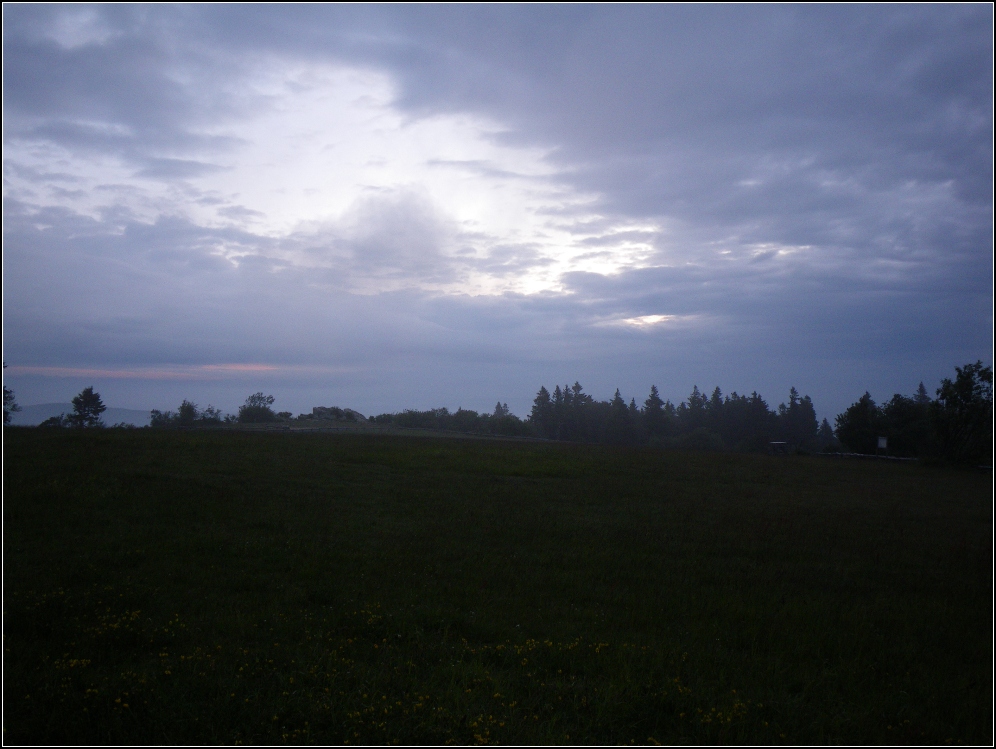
(883, 443)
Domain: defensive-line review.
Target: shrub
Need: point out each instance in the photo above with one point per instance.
(257, 409)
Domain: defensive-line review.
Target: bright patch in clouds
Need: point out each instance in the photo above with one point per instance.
(760, 252)
(319, 165)
(650, 322)
(646, 320)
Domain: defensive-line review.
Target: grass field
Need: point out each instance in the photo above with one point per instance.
(226, 587)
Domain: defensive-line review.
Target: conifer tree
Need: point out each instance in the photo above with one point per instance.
(87, 408)
(542, 414)
(653, 414)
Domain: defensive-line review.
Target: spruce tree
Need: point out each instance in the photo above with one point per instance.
(653, 413)
(87, 408)
(542, 414)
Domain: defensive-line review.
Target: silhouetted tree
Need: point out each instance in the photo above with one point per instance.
(692, 414)
(825, 438)
(9, 404)
(465, 420)
(257, 409)
(211, 415)
(188, 413)
(501, 422)
(963, 415)
(635, 421)
(618, 426)
(559, 412)
(504, 422)
(748, 424)
(906, 423)
(714, 411)
(654, 417)
(798, 421)
(576, 404)
(162, 419)
(542, 415)
(87, 408)
(858, 427)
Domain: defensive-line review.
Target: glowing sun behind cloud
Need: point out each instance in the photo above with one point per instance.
(316, 159)
(329, 141)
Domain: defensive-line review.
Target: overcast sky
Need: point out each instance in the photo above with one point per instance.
(393, 207)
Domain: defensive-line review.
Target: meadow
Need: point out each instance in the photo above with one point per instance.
(248, 587)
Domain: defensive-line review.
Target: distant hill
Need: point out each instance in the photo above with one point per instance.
(34, 415)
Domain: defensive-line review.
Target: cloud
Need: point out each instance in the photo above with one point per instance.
(176, 168)
(423, 200)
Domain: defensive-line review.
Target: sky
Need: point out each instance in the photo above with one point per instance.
(413, 206)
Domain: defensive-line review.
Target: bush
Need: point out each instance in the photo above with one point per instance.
(162, 420)
(188, 415)
(257, 409)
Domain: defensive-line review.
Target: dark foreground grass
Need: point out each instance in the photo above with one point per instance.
(222, 587)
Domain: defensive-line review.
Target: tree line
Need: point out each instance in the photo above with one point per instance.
(955, 426)
(702, 422)
(715, 422)
(189, 414)
(500, 423)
